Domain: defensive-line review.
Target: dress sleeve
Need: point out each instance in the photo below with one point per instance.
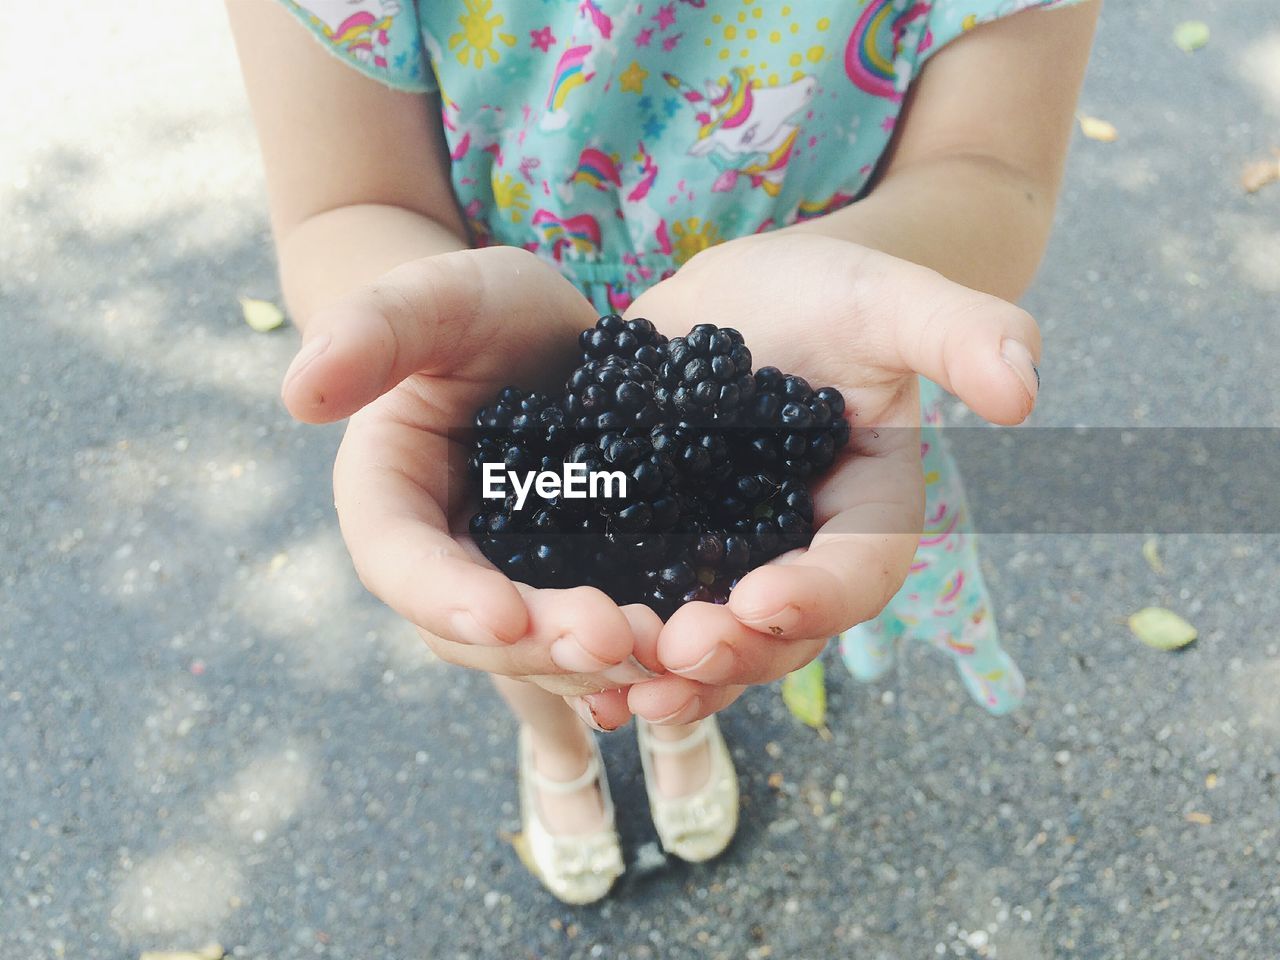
(948, 19)
(380, 38)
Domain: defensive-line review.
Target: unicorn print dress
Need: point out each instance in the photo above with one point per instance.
(617, 138)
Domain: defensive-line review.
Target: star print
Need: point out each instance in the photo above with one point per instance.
(644, 36)
(632, 78)
(670, 42)
(645, 103)
(671, 105)
(542, 39)
(665, 16)
(653, 128)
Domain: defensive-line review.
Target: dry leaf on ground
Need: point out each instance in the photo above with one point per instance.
(1097, 129)
(211, 952)
(1162, 629)
(261, 315)
(1259, 173)
(1151, 553)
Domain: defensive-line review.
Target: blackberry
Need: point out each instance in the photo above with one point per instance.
(611, 394)
(516, 425)
(705, 376)
(798, 431)
(703, 456)
(612, 336)
(714, 460)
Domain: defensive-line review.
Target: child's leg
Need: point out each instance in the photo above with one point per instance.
(561, 751)
(868, 648)
(944, 599)
(683, 773)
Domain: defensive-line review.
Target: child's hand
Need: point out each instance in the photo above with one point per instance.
(850, 317)
(410, 359)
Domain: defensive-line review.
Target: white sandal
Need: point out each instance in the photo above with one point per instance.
(578, 868)
(700, 825)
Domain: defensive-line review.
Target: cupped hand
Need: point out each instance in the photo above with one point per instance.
(410, 359)
(867, 323)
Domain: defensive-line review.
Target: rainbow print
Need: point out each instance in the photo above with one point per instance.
(865, 60)
(580, 233)
(570, 73)
(597, 169)
(812, 209)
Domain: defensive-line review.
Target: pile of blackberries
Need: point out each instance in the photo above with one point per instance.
(715, 458)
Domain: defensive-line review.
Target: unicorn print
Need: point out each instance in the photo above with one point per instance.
(646, 226)
(746, 129)
(357, 28)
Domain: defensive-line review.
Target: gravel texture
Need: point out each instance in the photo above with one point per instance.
(208, 731)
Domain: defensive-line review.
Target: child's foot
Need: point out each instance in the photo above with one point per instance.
(692, 787)
(998, 686)
(867, 651)
(680, 773)
(573, 812)
(576, 859)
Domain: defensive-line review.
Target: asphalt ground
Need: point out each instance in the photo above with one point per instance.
(209, 732)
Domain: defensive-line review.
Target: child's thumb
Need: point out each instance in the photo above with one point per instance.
(439, 315)
(979, 347)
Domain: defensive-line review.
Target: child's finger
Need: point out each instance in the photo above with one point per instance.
(871, 511)
(585, 632)
(437, 315)
(605, 711)
(397, 537)
(646, 627)
(674, 699)
(707, 643)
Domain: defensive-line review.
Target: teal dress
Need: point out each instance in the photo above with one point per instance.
(617, 138)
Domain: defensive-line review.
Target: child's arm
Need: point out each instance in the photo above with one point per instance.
(357, 173)
(968, 191)
(408, 332)
(970, 185)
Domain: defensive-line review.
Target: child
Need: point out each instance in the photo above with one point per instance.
(458, 186)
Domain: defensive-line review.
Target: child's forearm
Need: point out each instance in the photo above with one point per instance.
(972, 219)
(330, 254)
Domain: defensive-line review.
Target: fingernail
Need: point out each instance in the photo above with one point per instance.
(1018, 357)
(568, 654)
(686, 714)
(785, 620)
(310, 350)
(467, 629)
(583, 709)
(713, 667)
(629, 671)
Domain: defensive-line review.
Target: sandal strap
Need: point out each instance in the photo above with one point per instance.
(684, 744)
(559, 787)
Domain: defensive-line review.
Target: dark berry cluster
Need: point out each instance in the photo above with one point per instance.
(715, 459)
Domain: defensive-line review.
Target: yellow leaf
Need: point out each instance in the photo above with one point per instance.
(1096, 129)
(1191, 35)
(1203, 819)
(261, 315)
(1151, 551)
(805, 693)
(1161, 629)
